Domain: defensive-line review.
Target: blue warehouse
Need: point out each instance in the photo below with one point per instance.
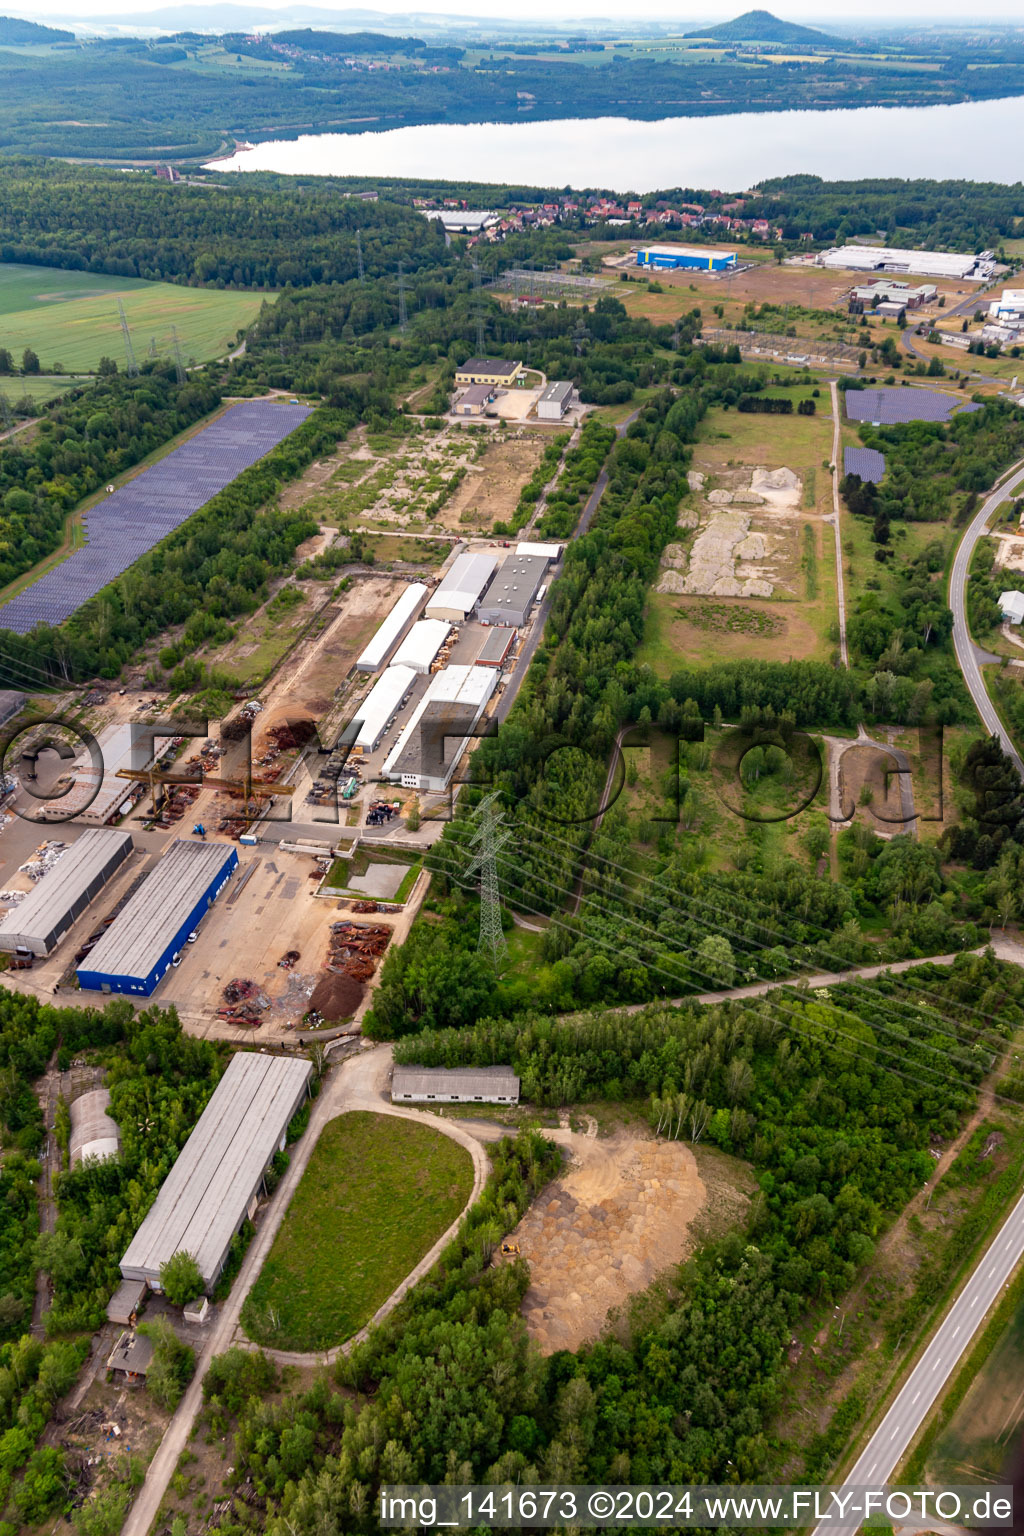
(687, 257)
(136, 951)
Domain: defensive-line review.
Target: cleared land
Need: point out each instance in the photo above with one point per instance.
(71, 318)
(753, 571)
(378, 1192)
(490, 491)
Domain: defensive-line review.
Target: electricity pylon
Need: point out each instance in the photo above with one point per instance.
(178, 364)
(359, 255)
(131, 365)
(403, 318)
(490, 841)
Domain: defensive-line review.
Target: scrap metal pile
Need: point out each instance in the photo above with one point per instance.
(245, 1002)
(43, 859)
(355, 948)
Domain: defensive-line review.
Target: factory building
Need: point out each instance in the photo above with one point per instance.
(548, 552)
(511, 594)
(93, 1132)
(454, 1085)
(1009, 306)
(421, 645)
(497, 647)
(556, 400)
(439, 731)
(1011, 606)
(393, 628)
(864, 298)
(886, 258)
(215, 1181)
(488, 370)
(463, 221)
(136, 950)
(685, 257)
(39, 923)
(387, 695)
(462, 588)
(474, 400)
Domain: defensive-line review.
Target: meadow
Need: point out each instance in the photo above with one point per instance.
(71, 318)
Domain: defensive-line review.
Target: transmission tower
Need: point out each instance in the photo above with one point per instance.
(359, 254)
(6, 419)
(490, 842)
(178, 364)
(403, 318)
(479, 306)
(129, 351)
(152, 347)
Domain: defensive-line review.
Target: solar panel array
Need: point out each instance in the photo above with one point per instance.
(865, 462)
(895, 407)
(134, 518)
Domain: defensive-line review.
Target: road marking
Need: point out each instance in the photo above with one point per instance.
(914, 1399)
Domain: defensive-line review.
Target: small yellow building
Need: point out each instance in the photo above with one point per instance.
(488, 370)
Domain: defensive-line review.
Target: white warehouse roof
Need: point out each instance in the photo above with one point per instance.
(393, 628)
(455, 1085)
(93, 1132)
(422, 644)
(380, 704)
(465, 691)
(549, 552)
(461, 589)
(883, 258)
(1011, 606)
(65, 891)
(206, 1196)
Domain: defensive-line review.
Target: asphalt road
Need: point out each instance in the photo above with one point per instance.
(966, 654)
(894, 1435)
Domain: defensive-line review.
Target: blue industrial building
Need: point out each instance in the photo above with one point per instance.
(688, 257)
(136, 951)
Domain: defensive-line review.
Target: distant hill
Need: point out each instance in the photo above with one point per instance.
(14, 31)
(762, 27)
(348, 42)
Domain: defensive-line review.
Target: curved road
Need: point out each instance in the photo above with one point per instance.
(357, 1084)
(966, 652)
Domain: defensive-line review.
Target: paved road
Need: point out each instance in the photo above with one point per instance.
(837, 470)
(356, 1084)
(897, 1430)
(966, 653)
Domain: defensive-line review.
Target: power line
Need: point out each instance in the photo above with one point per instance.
(489, 819)
(359, 255)
(131, 365)
(403, 318)
(178, 364)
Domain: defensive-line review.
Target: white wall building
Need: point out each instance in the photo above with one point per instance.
(440, 728)
(557, 398)
(388, 694)
(890, 258)
(407, 606)
(1009, 306)
(420, 647)
(1011, 606)
(462, 588)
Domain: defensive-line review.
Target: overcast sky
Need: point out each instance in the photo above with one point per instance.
(687, 14)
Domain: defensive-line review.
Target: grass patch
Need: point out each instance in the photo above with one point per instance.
(378, 1192)
(71, 318)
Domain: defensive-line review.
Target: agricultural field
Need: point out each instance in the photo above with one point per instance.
(40, 389)
(71, 318)
(377, 1194)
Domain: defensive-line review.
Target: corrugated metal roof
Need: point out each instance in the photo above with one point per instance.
(390, 632)
(549, 552)
(93, 1132)
(441, 721)
(472, 1082)
(497, 367)
(138, 936)
(203, 1200)
(557, 391)
(461, 588)
(497, 645)
(54, 896)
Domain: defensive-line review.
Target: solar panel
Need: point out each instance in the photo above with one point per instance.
(139, 514)
(865, 462)
(896, 407)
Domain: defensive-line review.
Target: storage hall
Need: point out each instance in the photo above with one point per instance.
(40, 922)
(215, 1182)
(136, 951)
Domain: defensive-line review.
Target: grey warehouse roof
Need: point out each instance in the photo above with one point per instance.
(203, 1200)
(462, 585)
(55, 895)
(559, 390)
(865, 462)
(138, 937)
(473, 1082)
(493, 365)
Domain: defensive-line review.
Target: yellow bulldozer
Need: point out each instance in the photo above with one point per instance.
(510, 1248)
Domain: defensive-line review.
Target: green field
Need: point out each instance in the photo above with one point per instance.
(71, 318)
(39, 388)
(378, 1192)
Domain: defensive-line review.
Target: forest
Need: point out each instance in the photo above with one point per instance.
(834, 1101)
(192, 111)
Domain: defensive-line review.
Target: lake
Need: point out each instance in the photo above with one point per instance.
(977, 141)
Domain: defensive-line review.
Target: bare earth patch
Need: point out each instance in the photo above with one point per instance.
(618, 1217)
